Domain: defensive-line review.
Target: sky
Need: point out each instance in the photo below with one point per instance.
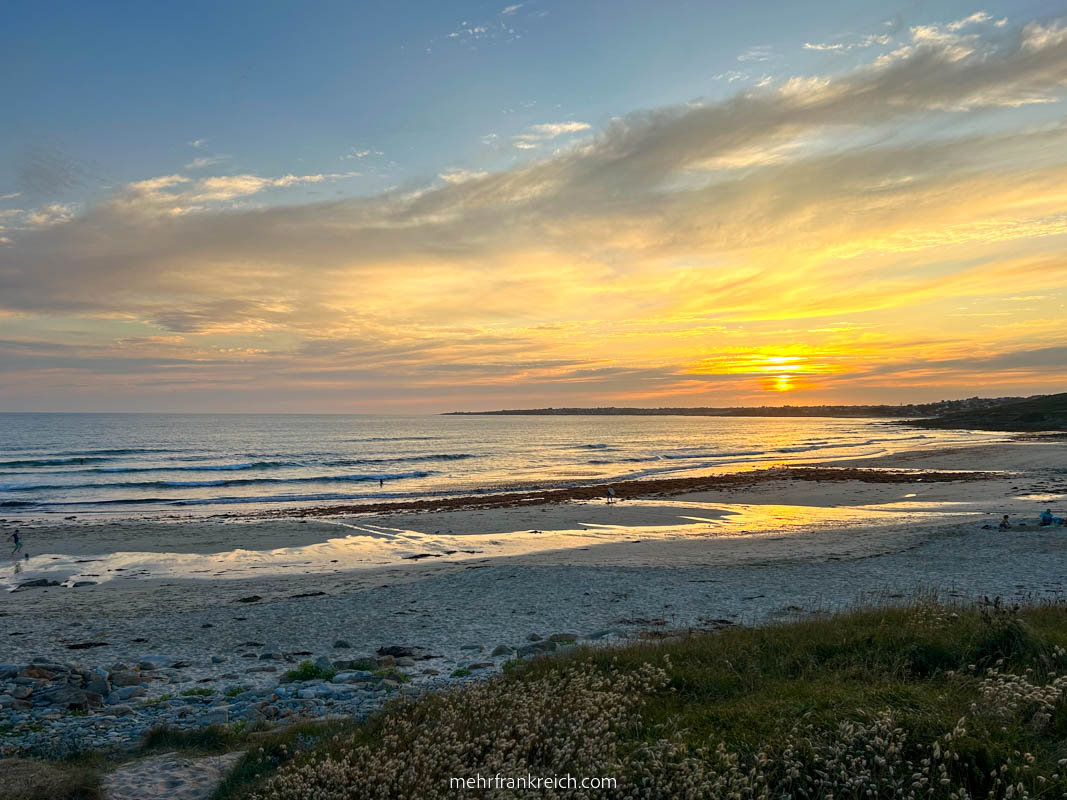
(415, 207)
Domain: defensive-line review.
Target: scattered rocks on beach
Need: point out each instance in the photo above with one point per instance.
(55, 709)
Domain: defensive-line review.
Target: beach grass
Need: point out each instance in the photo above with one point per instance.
(930, 700)
(26, 779)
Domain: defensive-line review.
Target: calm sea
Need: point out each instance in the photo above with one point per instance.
(204, 463)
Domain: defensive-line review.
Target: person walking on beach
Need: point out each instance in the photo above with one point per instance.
(18, 542)
(611, 496)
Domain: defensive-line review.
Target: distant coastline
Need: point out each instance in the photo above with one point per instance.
(909, 410)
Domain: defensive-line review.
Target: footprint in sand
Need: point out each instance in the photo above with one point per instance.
(169, 777)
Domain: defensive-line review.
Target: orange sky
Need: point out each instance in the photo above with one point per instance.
(893, 232)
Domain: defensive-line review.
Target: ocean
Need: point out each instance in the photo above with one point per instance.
(192, 464)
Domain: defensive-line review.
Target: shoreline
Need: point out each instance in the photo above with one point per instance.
(741, 548)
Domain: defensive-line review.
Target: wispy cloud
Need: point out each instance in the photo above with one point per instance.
(507, 11)
(206, 161)
(683, 251)
(532, 137)
(756, 53)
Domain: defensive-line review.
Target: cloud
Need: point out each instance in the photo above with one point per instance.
(841, 47)
(509, 10)
(530, 139)
(206, 161)
(757, 53)
(669, 254)
(197, 143)
(457, 175)
(10, 195)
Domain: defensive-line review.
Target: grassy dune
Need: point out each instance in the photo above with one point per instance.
(927, 701)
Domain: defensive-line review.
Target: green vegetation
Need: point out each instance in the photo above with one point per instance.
(233, 691)
(200, 692)
(462, 672)
(1048, 413)
(927, 701)
(392, 674)
(155, 701)
(25, 779)
(309, 672)
(211, 739)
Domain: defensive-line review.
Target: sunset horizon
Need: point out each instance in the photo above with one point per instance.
(805, 210)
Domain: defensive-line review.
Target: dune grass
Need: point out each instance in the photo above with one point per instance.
(924, 701)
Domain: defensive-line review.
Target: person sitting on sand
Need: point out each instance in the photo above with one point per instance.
(1048, 519)
(1004, 523)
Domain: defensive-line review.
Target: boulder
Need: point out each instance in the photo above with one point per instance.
(126, 677)
(386, 661)
(341, 644)
(502, 650)
(405, 661)
(535, 648)
(7, 701)
(67, 697)
(21, 692)
(37, 672)
(120, 710)
(563, 638)
(323, 663)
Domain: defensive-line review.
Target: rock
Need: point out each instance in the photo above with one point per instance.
(218, 716)
(7, 701)
(67, 697)
(397, 650)
(154, 662)
(262, 669)
(563, 638)
(606, 632)
(21, 692)
(252, 598)
(217, 659)
(271, 651)
(120, 710)
(533, 637)
(477, 647)
(341, 644)
(181, 664)
(8, 671)
(323, 663)
(36, 671)
(35, 584)
(405, 661)
(126, 677)
(126, 693)
(535, 648)
(387, 661)
(481, 665)
(85, 645)
(77, 584)
(99, 685)
(502, 650)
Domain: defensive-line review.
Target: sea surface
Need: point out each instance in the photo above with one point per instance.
(191, 464)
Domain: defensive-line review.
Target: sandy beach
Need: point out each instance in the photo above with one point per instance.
(215, 594)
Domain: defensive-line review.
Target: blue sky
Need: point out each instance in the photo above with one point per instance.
(427, 206)
(119, 90)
